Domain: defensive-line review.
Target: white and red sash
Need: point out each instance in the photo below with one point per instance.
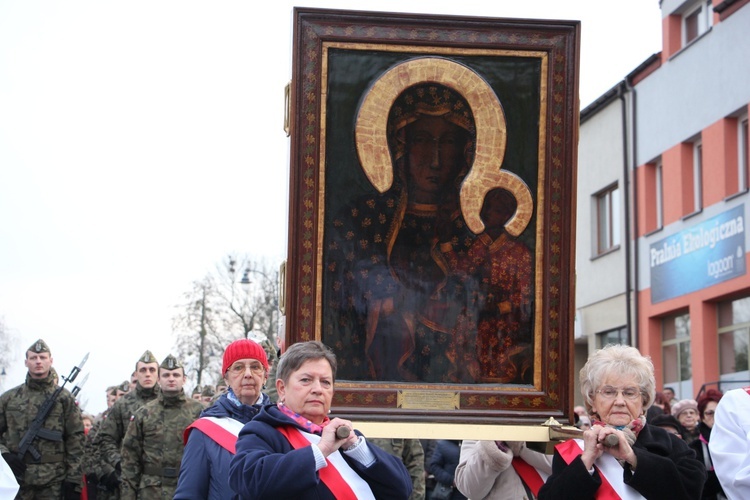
(610, 471)
(223, 431)
(532, 477)
(338, 476)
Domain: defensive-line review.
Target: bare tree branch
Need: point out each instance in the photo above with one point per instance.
(239, 300)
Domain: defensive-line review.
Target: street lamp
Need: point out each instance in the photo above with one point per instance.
(245, 282)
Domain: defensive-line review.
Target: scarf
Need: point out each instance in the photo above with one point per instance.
(302, 421)
(630, 430)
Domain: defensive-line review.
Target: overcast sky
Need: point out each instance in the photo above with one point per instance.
(142, 141)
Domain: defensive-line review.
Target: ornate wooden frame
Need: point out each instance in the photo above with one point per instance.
(319, 107)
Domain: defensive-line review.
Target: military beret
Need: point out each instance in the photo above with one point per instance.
(147, 357)
(170, 363)
(39, 346)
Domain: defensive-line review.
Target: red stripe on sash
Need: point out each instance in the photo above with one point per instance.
(528, 474)
(223, 437)
(569, 450)
(329, 475)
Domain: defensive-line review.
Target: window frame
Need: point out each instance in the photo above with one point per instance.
(731, 329)
(676, 341)
(697, 175)
(608, 200)
(659, 195)
(702, 12)
(622, 334)
(743, 153)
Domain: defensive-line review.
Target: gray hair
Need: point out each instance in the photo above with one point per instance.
(618, 359)
(301, 352)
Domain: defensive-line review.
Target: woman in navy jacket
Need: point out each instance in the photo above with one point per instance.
(293, 449)
(204, 472)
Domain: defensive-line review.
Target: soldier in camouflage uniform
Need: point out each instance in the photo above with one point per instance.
(411, 453)
(57, 474)
(92, 465)
(109, 438)
(273, 361)
(153, 445)
(208, 394)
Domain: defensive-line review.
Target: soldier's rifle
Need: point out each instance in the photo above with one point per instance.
(77, 388)
(37, 425)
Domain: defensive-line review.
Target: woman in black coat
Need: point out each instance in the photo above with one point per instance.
(444, 462)
(706, 408)
(634, 457)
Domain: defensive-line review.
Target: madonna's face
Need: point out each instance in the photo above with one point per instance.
(434, 149)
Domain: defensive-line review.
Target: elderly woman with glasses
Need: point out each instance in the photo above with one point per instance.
(621, 456)
(210, 440)
(295, 450)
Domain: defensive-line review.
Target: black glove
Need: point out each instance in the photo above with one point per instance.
(92, 485)
(69, 491)
(111, 481)
(17, 465)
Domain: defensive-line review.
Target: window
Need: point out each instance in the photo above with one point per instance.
(697, 176)
(608, 219)
(616, 336)
(734, 336)
(659, 208)
(697, 21)
(691, 169)
(743, 158)
(675, 352)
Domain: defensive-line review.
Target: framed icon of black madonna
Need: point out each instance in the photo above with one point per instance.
(432, 212)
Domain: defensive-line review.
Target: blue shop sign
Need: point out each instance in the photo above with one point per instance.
(706, 254)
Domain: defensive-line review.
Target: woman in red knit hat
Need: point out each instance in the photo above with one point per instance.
(210, 440)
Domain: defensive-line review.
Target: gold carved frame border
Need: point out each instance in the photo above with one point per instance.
(555, 43)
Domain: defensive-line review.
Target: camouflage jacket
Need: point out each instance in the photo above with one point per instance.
(411, 453)
(61, 459)
(153, 445)
(108, 439)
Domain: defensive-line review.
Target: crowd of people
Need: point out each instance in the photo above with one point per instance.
(233, 440)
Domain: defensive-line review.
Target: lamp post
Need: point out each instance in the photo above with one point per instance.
(266, 301)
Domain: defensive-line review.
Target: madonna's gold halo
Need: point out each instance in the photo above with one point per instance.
(484, 174)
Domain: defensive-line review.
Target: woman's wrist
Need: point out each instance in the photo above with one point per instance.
(632, 460)
(588, 460)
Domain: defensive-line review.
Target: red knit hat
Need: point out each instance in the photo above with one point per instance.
(243, 349)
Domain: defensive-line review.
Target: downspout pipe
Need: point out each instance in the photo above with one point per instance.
(622, 94)
(633, 277)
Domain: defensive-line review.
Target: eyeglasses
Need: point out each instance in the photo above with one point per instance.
(709, 413)
(629, 393)
(256, 368)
